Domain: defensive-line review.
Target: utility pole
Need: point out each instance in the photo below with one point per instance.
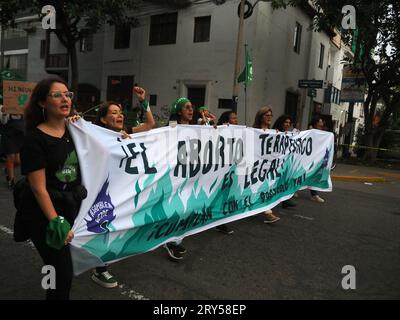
(239, 45)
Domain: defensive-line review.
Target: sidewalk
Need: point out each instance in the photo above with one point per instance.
(346, 172)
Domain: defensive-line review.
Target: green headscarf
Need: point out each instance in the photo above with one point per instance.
(178, 105)
(202, 108)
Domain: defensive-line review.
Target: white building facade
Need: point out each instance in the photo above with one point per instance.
(191, 52)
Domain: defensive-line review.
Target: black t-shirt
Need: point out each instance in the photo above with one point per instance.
(59, 159)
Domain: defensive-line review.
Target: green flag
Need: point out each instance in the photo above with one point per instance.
(247, 74)
(354, 44)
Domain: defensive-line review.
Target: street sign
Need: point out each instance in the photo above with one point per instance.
(317, 84)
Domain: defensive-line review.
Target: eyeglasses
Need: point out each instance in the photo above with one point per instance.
(59, 94)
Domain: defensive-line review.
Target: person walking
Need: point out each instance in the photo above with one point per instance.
(12, 139)
(317, 123)
(263, 120)
(181, 112)
(50, 163)
(283, 124)
(110, 116)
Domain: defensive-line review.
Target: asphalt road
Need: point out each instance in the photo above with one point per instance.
(299, 257)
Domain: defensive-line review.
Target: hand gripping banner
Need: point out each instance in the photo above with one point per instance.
(169, 183)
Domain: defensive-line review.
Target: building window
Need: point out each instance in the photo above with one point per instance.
(297, 37)
(17, 63)
(163, 29)
(14, 33)
(153, 100)
(321, 56)
(122, 37)
(225, 104)
(42, 49)
(202, 29)
(86, 42)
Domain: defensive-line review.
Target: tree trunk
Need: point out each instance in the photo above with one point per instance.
(373, 140)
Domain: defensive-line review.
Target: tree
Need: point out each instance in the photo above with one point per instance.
(76, 19)
(376, 54)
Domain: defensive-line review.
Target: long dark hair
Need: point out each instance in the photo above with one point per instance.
(279, 122)
(224, 118)
(34, 114)
(103, 110)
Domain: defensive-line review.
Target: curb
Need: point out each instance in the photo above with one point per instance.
(358, 178)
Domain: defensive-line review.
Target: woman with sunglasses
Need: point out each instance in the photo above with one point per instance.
(263, 120)
(50, 163)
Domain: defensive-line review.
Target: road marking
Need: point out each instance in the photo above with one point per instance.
(6, 230)
(303, 217)
(123, 288)
(11, 232)
(132, 294)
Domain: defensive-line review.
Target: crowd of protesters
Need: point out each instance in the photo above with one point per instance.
(40, 141)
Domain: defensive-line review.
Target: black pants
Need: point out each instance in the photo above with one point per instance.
(59, 259)
(101, 269)
(313, 193)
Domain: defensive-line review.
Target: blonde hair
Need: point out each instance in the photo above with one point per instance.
(259, 115)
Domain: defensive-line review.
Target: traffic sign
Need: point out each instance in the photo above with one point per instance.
(317, 84)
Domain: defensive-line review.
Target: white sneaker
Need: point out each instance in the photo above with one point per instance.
(270, 217)
(317, 198)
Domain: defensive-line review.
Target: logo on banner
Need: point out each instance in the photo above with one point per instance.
(101, 213)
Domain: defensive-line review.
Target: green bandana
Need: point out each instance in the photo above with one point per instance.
(178, 105)
(57, 231)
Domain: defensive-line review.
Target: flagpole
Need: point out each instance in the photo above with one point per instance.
(245, 105)
(235, 91)
(245, 86)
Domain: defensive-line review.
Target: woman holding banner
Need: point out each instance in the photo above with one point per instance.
(181, 112)
(283, 124)
(263, 120)
(50, 202)
(110, 116)
(317, 123)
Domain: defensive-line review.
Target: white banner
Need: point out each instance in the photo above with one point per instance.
(170, 183)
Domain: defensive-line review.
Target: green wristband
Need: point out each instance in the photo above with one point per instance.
(145, 105)
(57, 231)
